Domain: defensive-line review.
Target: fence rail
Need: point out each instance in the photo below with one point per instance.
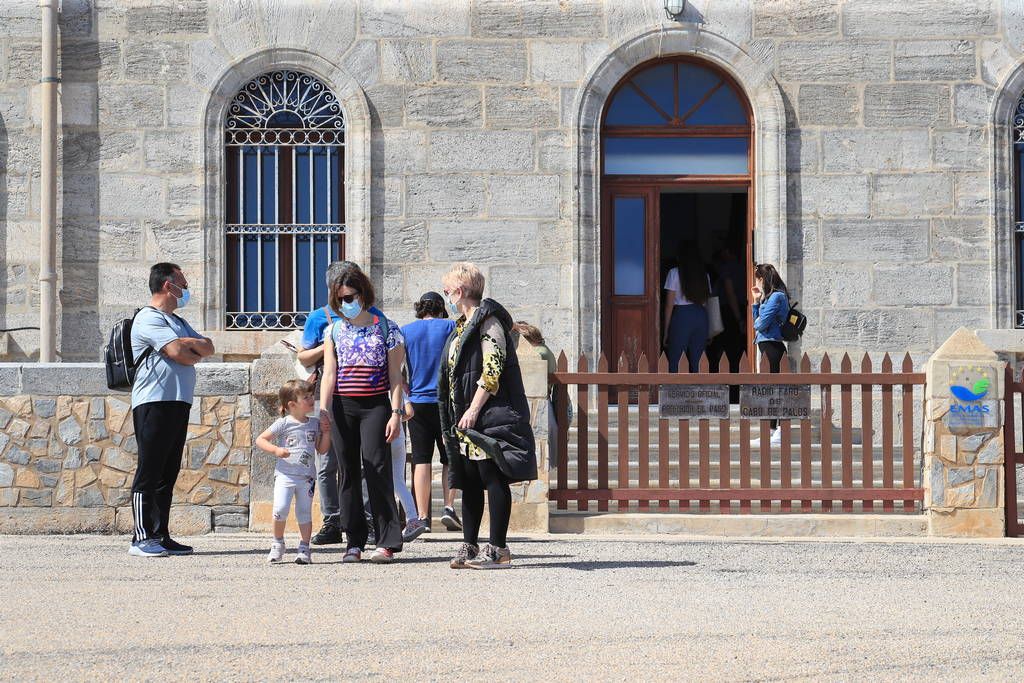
(617, 449)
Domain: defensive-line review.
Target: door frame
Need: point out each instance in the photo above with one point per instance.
(610, 184)
(651, 187)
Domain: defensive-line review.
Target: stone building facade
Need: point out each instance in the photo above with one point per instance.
(882, 160)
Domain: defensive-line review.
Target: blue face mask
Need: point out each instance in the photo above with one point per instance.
(452, 307)
(351, 309)
(182, 301)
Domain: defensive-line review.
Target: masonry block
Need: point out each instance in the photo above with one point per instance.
(479, 61)
(906, 105)
(481, 151)
(446, 106)
(833, 61)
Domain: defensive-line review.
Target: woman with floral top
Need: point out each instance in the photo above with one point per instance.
(485, 417)
(363, 355)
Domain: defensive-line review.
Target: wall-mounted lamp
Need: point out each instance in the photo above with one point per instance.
(674, 8)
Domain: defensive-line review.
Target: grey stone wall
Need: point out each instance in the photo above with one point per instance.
(68, 451)
(889, 237)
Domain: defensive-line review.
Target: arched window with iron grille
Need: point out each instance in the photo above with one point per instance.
(285, 210)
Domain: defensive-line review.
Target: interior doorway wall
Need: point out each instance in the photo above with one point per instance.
(646, 227)
(713, 223)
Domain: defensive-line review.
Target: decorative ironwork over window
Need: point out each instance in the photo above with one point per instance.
(285, 167)
(1018, 240)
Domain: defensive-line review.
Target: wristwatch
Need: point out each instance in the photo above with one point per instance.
(398, 411)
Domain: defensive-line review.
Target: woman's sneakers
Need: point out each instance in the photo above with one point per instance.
(383, 556)
(414, 529)
(451, 520)
(276, 551)
(491, 557)
(352, 555)
(302, 556)
(774, 439)
(467, 552)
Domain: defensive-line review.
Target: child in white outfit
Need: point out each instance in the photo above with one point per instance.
(293, 438)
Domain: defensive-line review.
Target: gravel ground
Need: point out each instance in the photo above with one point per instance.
(668, 608)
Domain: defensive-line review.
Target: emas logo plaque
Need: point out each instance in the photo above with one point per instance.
(972, 400)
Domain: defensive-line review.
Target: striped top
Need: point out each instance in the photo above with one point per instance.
(362, 357)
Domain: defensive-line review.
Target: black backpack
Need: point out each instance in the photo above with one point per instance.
(118, 357)
(795, 324)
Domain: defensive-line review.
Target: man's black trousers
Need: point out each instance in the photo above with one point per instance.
(160, 430)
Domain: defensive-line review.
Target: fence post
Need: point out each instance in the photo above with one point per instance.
(530, 499)
(963, 443)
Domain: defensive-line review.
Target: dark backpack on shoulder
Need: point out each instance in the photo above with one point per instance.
(117, 355)
(795, 324)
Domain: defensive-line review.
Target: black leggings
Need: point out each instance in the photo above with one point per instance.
(484, 475)
(774, 351)
(365, 453)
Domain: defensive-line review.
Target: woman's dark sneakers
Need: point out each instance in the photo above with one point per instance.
(328, 535)
(491, 557)
(467, 551)
(413, 530)
(451, 520)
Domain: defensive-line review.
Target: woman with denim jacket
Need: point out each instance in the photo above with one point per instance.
(770, 308)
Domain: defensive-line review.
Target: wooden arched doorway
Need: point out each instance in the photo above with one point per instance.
(676, 158)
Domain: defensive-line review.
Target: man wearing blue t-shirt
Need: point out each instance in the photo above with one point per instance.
(165, 349)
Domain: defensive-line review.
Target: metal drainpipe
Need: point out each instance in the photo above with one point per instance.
(48, 182)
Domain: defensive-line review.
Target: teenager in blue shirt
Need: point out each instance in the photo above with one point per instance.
(424, 343)
(770, 308)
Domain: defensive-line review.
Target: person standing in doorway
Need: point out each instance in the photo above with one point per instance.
(167, 349)
(485, 417)
(770, 308)
(686, 322)
(730, 288)
(424, 342)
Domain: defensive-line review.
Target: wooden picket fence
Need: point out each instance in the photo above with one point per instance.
(618, 450)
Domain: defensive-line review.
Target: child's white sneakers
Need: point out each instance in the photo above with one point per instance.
(276, 551)
(302, 556)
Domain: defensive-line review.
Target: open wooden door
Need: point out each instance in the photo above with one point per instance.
(630, 265)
